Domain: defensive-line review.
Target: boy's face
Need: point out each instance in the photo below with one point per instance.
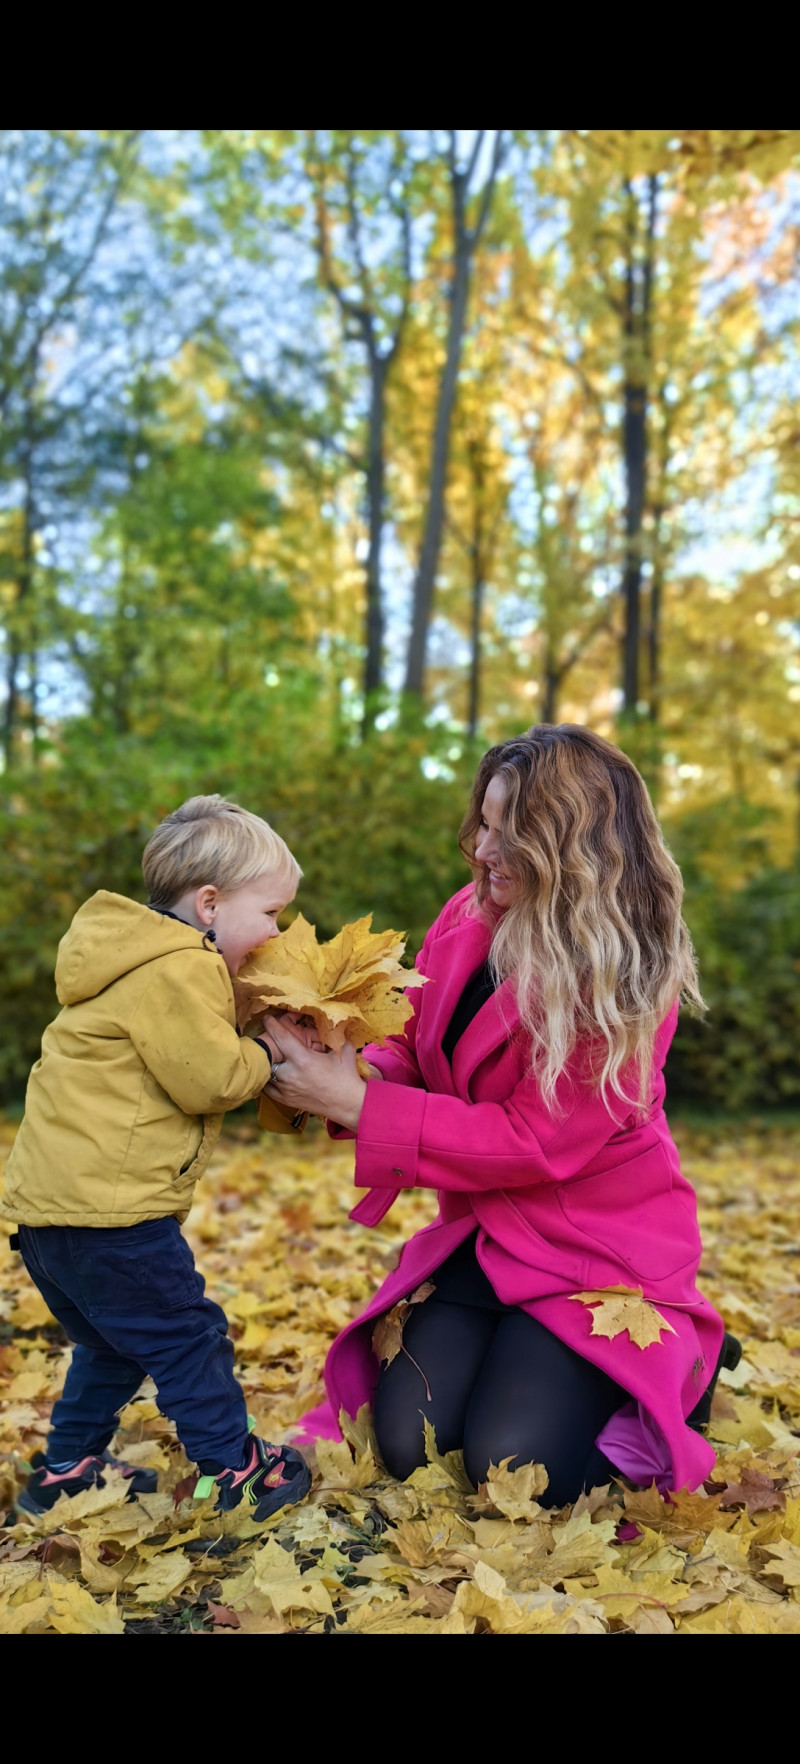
(246, 918)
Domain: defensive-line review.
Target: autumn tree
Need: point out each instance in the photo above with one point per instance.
(63, 191)
(471, 187)
(364, 198)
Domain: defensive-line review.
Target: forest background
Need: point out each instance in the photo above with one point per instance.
(330, 457)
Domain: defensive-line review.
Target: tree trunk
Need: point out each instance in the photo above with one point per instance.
(479, 561)
(434, 520)
(21, 627)
(376, 483)
(658, 548)
(478, 591)
(637, 303)
(552, 681)
(465, 243)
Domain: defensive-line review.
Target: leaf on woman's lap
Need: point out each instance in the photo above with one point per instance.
(620, 1308)
(387, 1336)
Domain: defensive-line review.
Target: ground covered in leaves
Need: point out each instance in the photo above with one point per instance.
(368, 1556)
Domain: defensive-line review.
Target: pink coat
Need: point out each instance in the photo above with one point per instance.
(562, 1204)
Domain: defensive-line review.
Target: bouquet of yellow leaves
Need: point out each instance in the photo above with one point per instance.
(352, 989)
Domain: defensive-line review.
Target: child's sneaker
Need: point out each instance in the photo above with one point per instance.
(271, 1477)
(45, 1485)
(141, 1481)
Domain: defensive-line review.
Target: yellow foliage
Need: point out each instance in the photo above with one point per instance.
(352, 987)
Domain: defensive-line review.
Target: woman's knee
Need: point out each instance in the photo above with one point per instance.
(399, 1431)
(482, 1453)
(570, 1457)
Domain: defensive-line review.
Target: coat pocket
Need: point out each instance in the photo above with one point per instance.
(205, 1133)
(631, 1213)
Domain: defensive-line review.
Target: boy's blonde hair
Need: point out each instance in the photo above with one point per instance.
(209, 840)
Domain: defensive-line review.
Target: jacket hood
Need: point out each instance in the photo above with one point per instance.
(110, 936)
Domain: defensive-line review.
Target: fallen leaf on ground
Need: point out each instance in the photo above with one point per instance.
(755, 1491)
(513, 1491)
(365, 1554)
(74, 1612)
(222, 1615)
(161, 1577)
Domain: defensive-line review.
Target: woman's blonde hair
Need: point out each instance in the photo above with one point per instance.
(210, 840)
(594, 937)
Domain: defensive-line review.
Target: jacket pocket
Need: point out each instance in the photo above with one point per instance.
(631, 1213)
(192, 1147)
(205, 1133)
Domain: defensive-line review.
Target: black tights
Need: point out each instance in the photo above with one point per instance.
(501, 1386)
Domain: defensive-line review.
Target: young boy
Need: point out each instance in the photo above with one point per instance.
(122, 1114)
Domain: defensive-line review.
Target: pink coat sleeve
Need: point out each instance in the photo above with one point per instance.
(428, 1140)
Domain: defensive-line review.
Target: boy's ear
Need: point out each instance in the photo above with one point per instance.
(206, 902)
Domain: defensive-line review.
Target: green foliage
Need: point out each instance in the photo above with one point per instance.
(371, 832)
(744, 1054)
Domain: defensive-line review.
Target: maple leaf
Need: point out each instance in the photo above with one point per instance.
(755, 1491)
(359, 1433)
(784, 1562)
(423, 1541)
(387, 1336)
(580, 1547)
(682, 1519)
(353, 988)
(621, 1308)
(75, 1612)
(338, 1467)
(279, 1579)
(222, 1615)
(513, 1492)
(184, 1489)
(14, 1620)
(161, 1577)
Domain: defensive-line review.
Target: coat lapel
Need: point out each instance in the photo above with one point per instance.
(493, 1025)
(459, 953)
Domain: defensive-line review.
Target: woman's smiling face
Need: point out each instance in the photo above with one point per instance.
(502, 888)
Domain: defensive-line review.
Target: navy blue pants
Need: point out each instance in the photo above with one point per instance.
(132, 1301)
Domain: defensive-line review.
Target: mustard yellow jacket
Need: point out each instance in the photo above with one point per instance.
(126, 1103)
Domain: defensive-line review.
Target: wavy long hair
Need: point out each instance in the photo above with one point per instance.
(593, 938)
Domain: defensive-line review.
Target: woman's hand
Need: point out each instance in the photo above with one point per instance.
(304, 1026)
(317, 1083)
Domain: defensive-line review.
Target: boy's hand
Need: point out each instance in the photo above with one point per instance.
(318, 1083)
(304, 1026)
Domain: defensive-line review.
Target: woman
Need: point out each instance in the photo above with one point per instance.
(528, 1089)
